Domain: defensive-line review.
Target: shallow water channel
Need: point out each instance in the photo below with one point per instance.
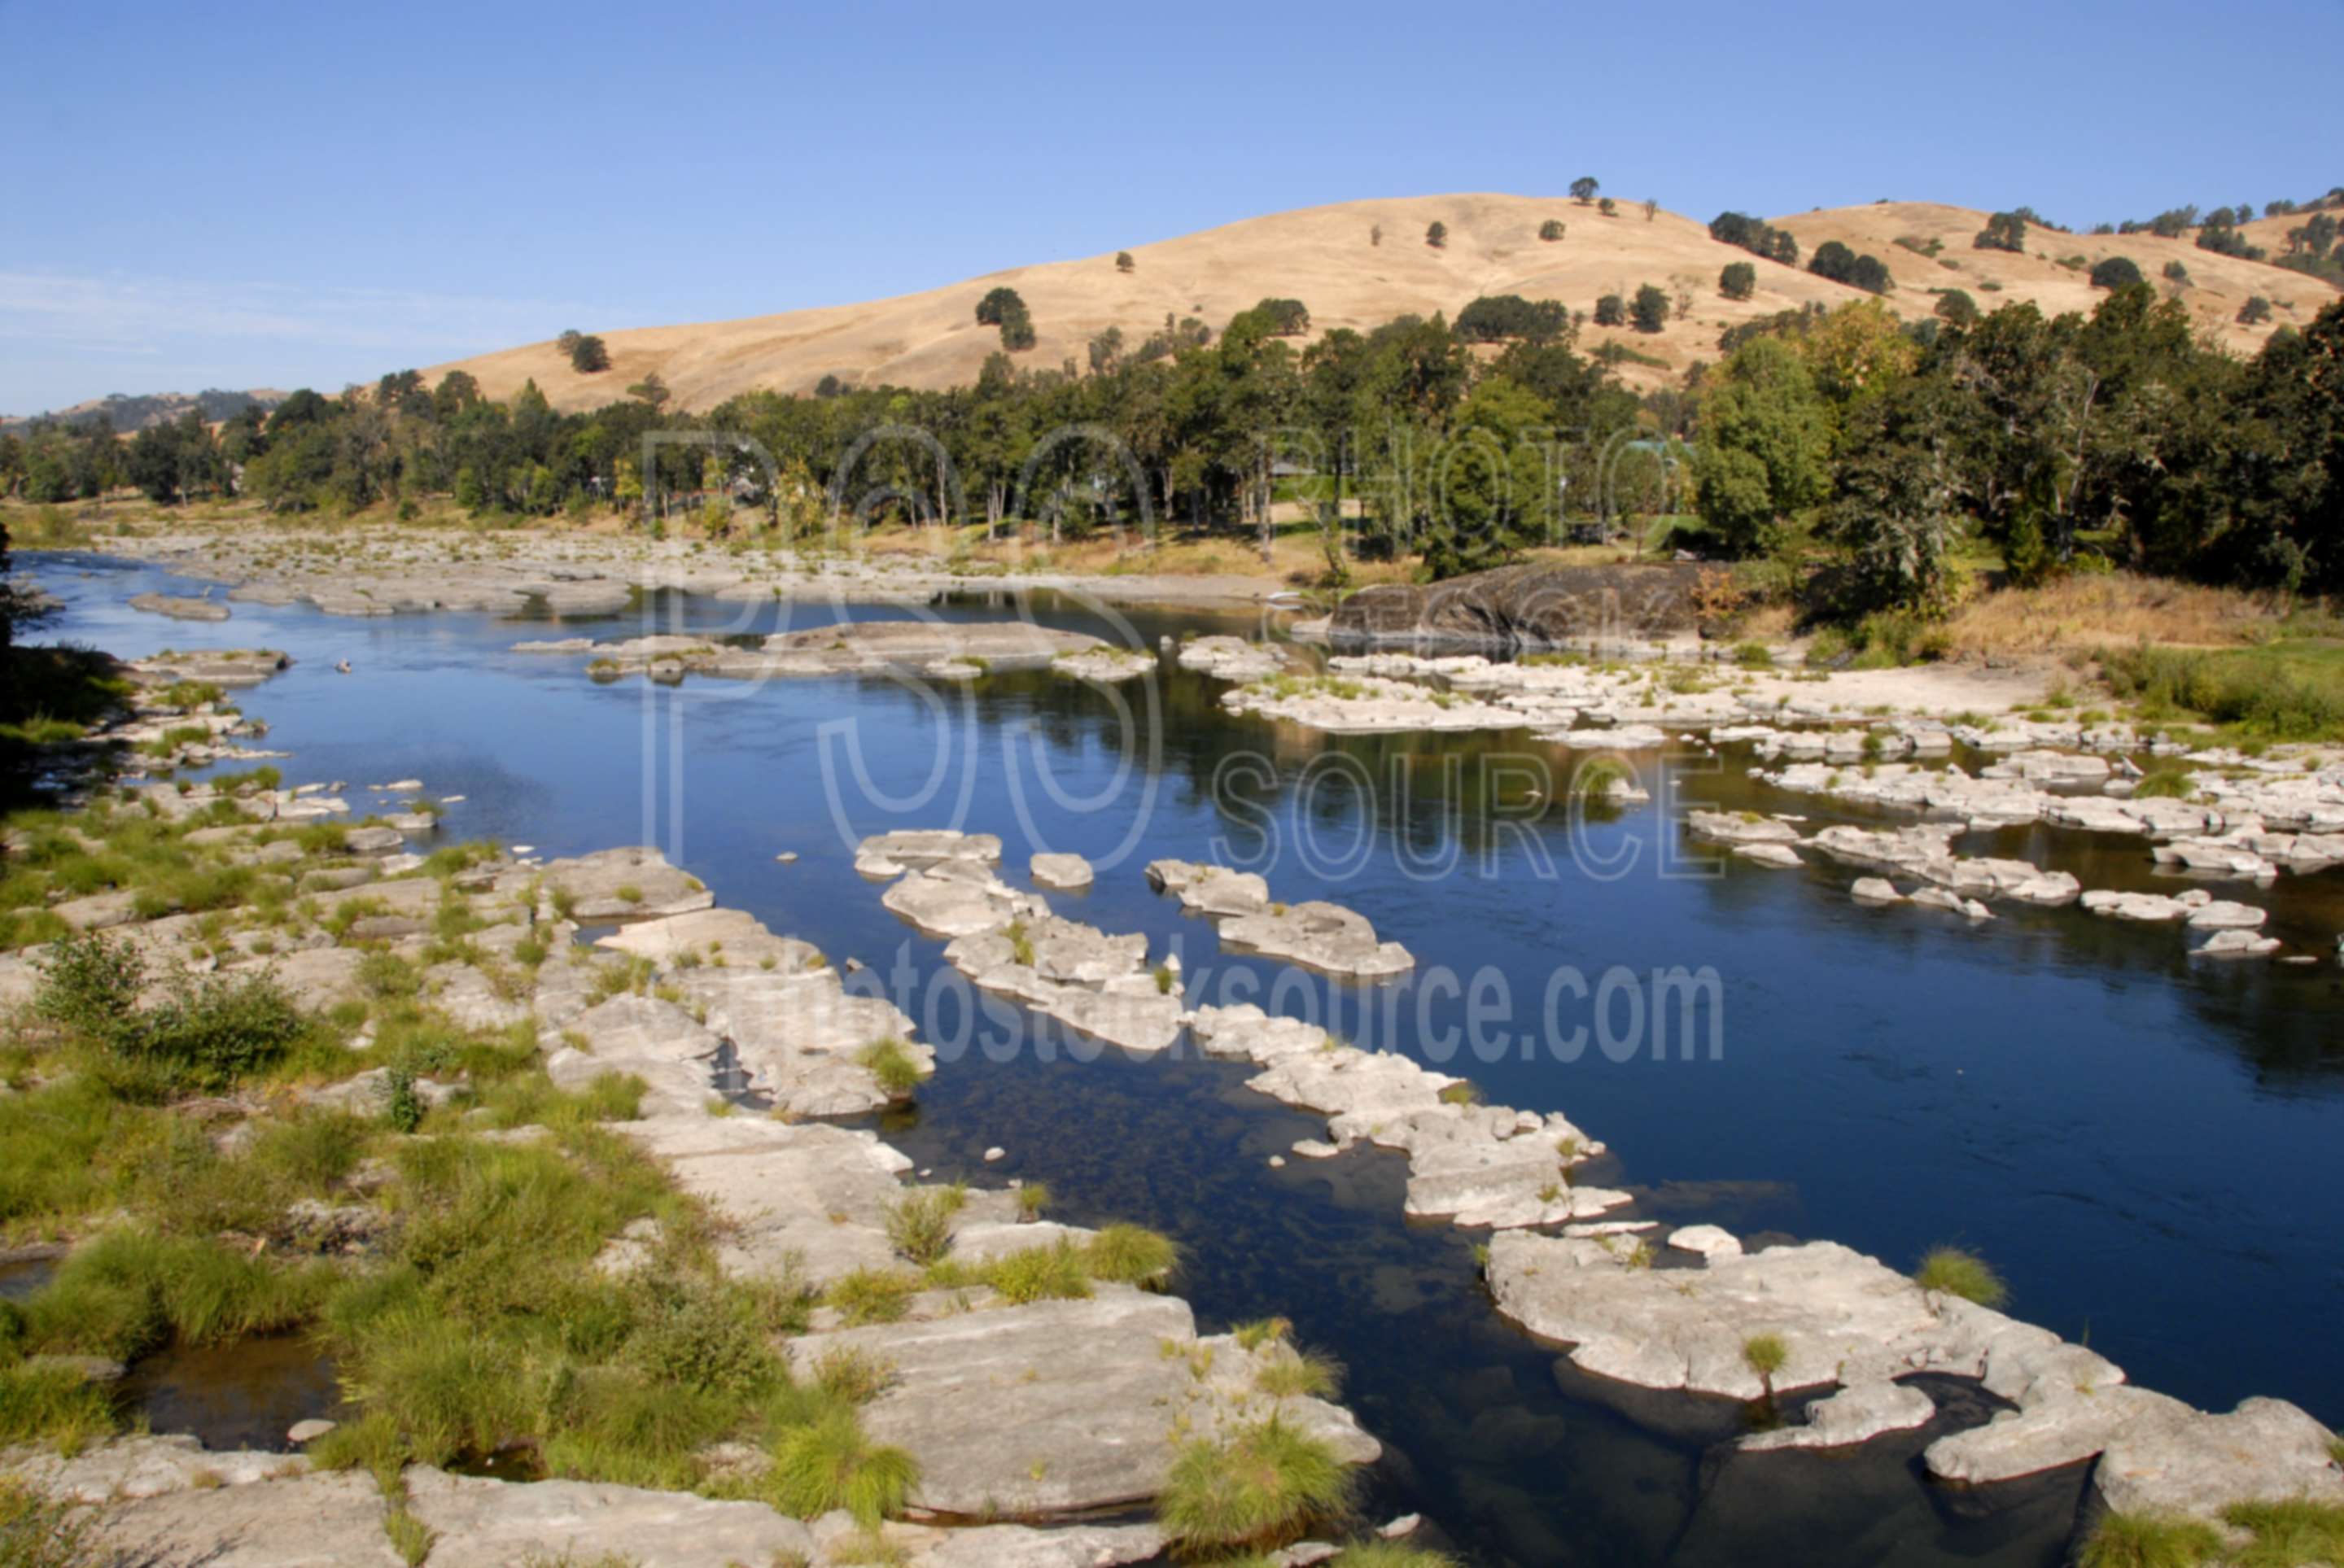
(2144, 1146)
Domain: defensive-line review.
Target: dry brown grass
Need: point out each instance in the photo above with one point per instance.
(2087, 612)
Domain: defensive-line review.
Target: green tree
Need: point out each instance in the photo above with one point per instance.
(2116, 272)
(1955, 305)
(1651, 209)
(1436, 235)
(1495, 480)
(1608, 208)
(651, 390)
(1765, 438)
(1551, 230)
(997, 305)
(1650, 309)
(2003, 231)
(1739, 280)
(1892, 499)
(1018, 330)
(1123, 262)
(1610, 311)
(2255, 311)
(588, 354)
(1584, 189)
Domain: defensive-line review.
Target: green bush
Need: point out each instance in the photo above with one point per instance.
(1952, 1271)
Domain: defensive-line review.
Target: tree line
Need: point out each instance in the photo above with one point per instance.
(2070, 442)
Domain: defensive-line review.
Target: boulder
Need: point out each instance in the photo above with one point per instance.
(484, 1524)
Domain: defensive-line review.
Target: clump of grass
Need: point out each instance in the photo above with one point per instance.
(920, 1223)
(1291, 1374)
(2146, 1541)
(1055, 1273)
(1261, 1332)
(1460, 1093)
(1131, 1254)
(891, 1061)
(871, 1295)
(2288, 1532)
(1021, 945)
(853, 1376)
(1952, 1271)
(1032, 1198)
(1764, 1354)
(1393, 1554)
(1754, 656)
(2163, 783)
(410, 1536)
(829, 1464)
(131, 1291)
(38, 1531)
(54, 1406)
(1261, 1488)
(1164, 979)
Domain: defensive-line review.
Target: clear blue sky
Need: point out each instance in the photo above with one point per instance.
(240, 194)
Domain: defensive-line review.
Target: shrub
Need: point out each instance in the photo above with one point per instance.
(1650, 309)
(1738, 280)
(829, 1465)
(1123, 262)
(89, 985)
(1955, 305)
(1551, 230)
(1952, 1271)
(1754, 656)
(1610, 311)
(1436, 235)
(696, 1334)
(919, 1224)
(2255, 311)
(1261, 1488)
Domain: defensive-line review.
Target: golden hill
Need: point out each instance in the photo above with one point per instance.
(1332, 259)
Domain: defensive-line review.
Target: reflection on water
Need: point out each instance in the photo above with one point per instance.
(247, 1394)
(2143, 1145)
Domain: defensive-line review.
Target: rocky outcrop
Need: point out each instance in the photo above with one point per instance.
(952, 649)
(180, 608)
(1525, 606)
(1842, 1320)
(1316, 935)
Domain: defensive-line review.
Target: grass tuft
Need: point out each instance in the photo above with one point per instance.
(1260, 1489)
(1951, 1271)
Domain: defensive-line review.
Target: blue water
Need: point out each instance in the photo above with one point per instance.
(2142, 1146)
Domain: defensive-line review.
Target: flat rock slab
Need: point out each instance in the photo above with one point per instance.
(1066, 871)
(1077, 1400)
(1853, 1415)
(597, 886)
(329, 1520)
(804, 1199)
(1321, 936)
(485, 1523)
(1023, 1546)
(2264, 1451)
(179, 609)
(134, 1467)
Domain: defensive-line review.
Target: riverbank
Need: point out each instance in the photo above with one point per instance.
(456, 1114)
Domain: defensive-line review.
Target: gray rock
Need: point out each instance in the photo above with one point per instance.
(485, 1523)
(1854, 1415)
(179, 609)
(1069, 872)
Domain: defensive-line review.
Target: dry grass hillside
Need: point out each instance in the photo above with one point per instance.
(1329, 259)
(2217, 286)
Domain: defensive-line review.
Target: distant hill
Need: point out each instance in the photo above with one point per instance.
(128, 414)
(1331, 258)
